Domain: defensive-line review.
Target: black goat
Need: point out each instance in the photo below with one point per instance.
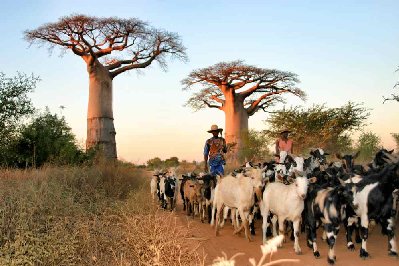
(323, 206)
(373, 198)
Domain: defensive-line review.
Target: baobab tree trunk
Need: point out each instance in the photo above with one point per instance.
(236, 118)
(100, 121)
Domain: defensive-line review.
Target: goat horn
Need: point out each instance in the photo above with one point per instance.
(391, 158)
(387, 160)
(342, 181)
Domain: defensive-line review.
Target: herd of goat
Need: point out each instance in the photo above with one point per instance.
(297, 192)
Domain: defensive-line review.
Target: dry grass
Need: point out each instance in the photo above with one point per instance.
(99, 215)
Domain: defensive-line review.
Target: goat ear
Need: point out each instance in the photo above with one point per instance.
(338, 155)
(342, 181)
(311, 152)
(313, 180)
(356, 155)
(391, 151)
(326, 153)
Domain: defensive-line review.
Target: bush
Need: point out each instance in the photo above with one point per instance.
(47, 139)
(255, 146)
(368, 144)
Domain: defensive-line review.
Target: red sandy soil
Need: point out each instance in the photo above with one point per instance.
(212, 246)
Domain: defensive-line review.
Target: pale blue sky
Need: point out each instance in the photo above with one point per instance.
(341, 50)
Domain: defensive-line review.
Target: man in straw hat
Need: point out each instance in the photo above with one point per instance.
(283, 143)
(213, 151)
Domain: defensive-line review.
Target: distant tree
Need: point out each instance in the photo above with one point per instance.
(368, 144)
(155, 163)
(47, 139)
(172, 162)
(95, 40)
(15, 106)
(319, 126)
(239, 90)
(396, 139)
(255, 146)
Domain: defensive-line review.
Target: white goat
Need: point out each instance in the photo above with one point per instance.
(153, 186)
(287, 202)
(237, 193)
(162, 189)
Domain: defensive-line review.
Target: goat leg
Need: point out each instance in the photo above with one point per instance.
(219, 209)
(312, 238)
(297, 248)
(331, 240)
(364, 233)
(392, 248)
(350, 225)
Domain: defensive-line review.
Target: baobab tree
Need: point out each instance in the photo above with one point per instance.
(239, 90)
(109, 47)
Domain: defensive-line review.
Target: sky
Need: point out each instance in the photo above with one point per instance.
(341, 50)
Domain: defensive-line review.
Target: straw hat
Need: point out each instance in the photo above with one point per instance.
(215, 128)
(285, 131)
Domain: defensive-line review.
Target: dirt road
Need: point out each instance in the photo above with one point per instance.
(232, 244)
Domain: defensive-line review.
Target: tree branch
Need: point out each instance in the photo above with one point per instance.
(217, 99)
(393, 98)
(131, 66)
(212, 105)
(255, 105)
(92, 38)
(257, 86)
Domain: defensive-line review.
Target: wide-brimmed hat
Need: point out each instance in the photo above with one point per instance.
(215, 128)
(285, 131)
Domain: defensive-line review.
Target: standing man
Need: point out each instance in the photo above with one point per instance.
(213, 151)
(283, 143)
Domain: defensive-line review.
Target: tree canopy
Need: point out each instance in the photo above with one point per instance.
(15, 105)
(319, 126)
(258, 88)
(92, 38)
(14, 100)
